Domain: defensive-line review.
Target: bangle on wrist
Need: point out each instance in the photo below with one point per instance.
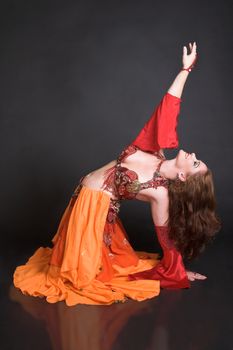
(187, 69)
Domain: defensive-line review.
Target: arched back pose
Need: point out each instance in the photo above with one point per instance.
(91, 260)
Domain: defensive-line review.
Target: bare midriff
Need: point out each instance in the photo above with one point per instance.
(95, 179)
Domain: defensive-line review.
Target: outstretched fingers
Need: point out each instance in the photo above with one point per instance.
(198, 276)
(192, 47)
(192, 276)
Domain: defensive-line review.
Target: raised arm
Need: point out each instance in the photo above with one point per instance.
(160, 130)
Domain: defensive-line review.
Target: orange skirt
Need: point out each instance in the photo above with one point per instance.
(80, 268)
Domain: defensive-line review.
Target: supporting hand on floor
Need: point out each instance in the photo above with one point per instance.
(192, 276)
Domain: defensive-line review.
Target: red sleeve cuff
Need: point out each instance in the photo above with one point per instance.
(160, 130)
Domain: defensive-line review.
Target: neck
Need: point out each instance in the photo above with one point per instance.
(168, 169)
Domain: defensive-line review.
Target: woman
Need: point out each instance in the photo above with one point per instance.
(92, 261)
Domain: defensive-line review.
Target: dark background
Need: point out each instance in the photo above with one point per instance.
(78, 81)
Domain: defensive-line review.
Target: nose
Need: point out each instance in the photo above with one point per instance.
(194, 155)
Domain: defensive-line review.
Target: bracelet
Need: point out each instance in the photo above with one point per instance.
(187, 69)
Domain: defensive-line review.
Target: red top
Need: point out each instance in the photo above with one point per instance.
(123, 183)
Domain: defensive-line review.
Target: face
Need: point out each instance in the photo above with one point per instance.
(188, 164)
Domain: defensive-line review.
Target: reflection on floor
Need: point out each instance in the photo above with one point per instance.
(198, 318)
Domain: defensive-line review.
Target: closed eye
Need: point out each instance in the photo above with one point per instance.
(196, 163)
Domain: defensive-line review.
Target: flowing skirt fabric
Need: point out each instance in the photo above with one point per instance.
(90, 260)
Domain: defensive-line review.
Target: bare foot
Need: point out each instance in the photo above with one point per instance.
(192, 276)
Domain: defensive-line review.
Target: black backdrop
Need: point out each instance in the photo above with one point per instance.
(78, 79)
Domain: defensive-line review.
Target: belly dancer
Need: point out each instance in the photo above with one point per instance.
(91, 260)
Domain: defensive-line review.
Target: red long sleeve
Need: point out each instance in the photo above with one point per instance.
(170, 271)
(160, 130)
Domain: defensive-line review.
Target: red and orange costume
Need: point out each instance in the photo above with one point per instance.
(92, 261)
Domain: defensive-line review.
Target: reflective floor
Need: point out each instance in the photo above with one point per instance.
(197, 318)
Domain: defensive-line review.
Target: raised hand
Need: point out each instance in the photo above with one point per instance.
(192, 276)
(189, 59)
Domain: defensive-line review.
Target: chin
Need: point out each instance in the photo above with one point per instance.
(181, 158)
(181, 153)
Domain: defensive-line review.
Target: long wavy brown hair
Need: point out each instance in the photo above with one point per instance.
(192, 219)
